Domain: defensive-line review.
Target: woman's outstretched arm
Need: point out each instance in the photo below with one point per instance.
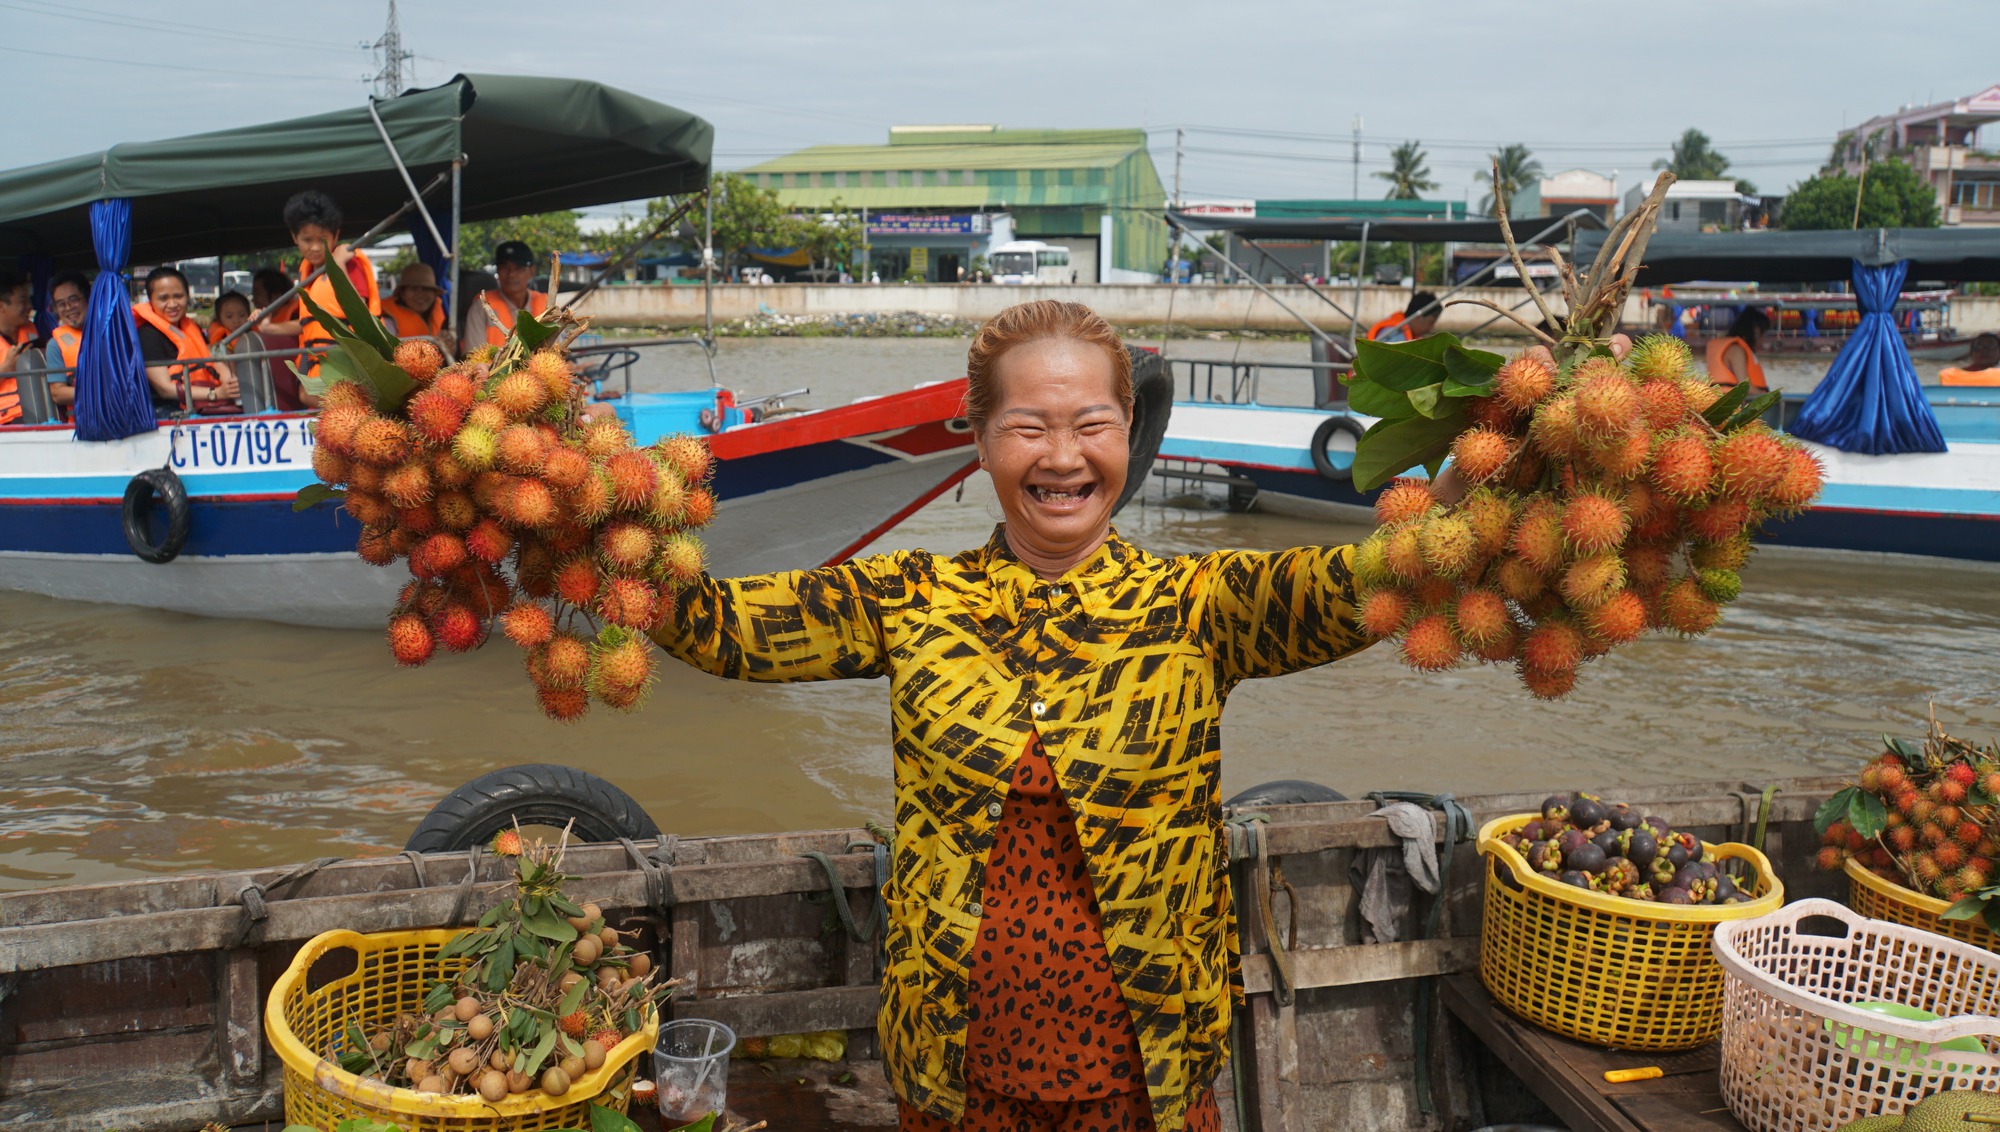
(824, 624)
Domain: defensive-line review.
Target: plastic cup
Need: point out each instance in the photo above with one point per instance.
(691, 1068)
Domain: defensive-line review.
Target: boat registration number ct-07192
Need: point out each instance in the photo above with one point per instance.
(284, 442)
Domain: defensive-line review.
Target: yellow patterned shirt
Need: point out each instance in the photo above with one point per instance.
(1122, 667)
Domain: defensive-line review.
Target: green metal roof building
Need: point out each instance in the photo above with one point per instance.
(941, 189)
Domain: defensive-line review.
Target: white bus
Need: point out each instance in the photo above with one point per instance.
(1029, 261)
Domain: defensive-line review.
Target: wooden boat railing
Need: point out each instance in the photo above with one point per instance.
(139, 1004)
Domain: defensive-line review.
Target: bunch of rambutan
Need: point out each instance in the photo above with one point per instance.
(1925, 816)
(1603, 504)
(510, 508)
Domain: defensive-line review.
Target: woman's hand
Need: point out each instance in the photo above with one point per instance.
(1448, 486)
(1621, 345)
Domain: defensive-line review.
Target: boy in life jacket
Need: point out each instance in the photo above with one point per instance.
(414, 310)
(17, 333)
(514, 267)
(175, 351)
(1982, 365)
(69, 297)
(1418, 320)
(232, 309)
(314, 221)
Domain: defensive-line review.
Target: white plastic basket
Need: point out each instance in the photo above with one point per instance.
(1797, 1057)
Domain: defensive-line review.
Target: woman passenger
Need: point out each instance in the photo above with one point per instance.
(1733, 357)
(1060, 950)
(167, 335)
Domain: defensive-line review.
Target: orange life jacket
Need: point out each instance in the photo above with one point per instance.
(1718, 366)
(409, 324)
(190, 345)
(68, 341)
(1955, 376)
(1376, 331)
(503, 311)
(311, 333)
(10, 389)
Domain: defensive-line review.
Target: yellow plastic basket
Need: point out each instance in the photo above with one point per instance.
(392, 970)
(1620, 973)
(1880, 899)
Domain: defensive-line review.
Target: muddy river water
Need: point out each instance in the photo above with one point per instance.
(134, 742)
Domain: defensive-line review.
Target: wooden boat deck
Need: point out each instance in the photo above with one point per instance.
(1569, 1076)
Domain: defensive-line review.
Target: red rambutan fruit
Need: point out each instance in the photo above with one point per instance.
(1733, 554)
(1522, 383)
(1970, 880)
(1952, 791)
(520, 449)
(519, 394)
(1404, 553)
(1903, 838)
(577, 581)
(1592, 523)
(475, 447)
(457, 386)
(448, 470)
(1662, 405)
(1480, 453)
(665, 601)
(530, 503)
(1799, 484)
(455, 510)
(1551, 684)
(528, 624)
(1488, 412)
(408, 485)
(687, 455)
(567, 538)
(1592, 580)
(535, 568)
(1538, 536)
(1700, 394)
(488, 541)
(1618, 620)
(669, 498)
(1403, 500)
(1686, 610)
(632, 478)
(1949, 855)
(549, 368)
(564, 705)
(438, 555)
(1682, 467)
(373, 546)
(335, 428)
(1491, 517)
(1962, 773)
(382, 442)
(1518, 580)
(488, 416)
(1606, 400)
(698, 509)
(1968, 833)
(621, 663)
(1447, 544)
(1384, 613)
(420, 359)
(421, 519)
(604, 438)
(457, 627)
(627, 602)
(368, 508)
(591, 501)
(1749, 462)
(346, 395)
(565, 467)
(625, 546)
(1552, 646)
(1622, 456)
(331, 467)
(404, 543)
(1831, 860)
(1429, 645)
(1481, 617)
(436, 416)
(1720, 521)
(410, 640)
(563, 662)
(1435, 595)
(1555, 429)
(680, 560)
(1647, 564)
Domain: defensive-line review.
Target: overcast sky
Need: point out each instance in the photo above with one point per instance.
(1267, 91)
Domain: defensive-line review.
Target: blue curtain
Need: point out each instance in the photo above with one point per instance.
(1870, 400)
(429, 253)
(113, 400)
(40, 270)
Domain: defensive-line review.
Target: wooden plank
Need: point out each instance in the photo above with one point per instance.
(1520, 1047)
(1365, 963)
(128, 996)
(240, 1017)
(790, 1012)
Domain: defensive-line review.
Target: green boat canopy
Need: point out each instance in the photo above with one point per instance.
(1955, 254)
(531, 145)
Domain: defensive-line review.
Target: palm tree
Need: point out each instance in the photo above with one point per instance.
(1517, 166)
(1408, 177)
(1694, 159)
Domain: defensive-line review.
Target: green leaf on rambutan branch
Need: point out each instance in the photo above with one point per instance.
(533, 332)
(315, 493)
(1752, 411)
(1866, 813)
(603, 1118)
(1401, 365)
(1725, 405)
(1965, 908)
(1834, 809)
(1374, 400)
(1391, 447)
(1470, 372)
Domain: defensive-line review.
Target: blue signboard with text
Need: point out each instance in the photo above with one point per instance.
(927, 224)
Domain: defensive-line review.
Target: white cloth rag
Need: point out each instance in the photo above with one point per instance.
(1384, 876)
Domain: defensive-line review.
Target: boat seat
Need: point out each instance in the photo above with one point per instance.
(257, 389)
(37, 407)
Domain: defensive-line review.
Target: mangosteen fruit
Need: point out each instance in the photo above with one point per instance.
(1640, 891)
(1725, 887)
(1623, 816)
(1672, 895)
(1586, 858)
(1737, 898)
(1555, 808)
(1534, 831)
(1576, 878)
(1661, 871)
(1659, 826)
(1620, 874)
(1689, 875)
(1607, 841)
(1677, 853)
(1571, 838)
(1642, 847)
(1586, 812)
(1544, 857)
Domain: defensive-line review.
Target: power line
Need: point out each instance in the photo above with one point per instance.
(97, 16)
(180, 68)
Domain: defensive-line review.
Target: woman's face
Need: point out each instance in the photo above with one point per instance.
(1055, 444)
(169, 296)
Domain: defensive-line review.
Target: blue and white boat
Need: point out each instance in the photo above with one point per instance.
(1909, 469)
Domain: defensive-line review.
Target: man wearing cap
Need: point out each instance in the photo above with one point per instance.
(491, 320)
(414, 311)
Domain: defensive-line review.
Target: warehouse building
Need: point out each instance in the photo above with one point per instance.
(940, 198)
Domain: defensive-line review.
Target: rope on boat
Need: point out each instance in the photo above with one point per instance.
(416, 860)
(1749, 833)
(1458, 827)
(252, 896)
(458, 906)
(836, 893)
(658, 865)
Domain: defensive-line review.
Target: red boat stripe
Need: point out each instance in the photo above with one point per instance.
(882, 415)
(848, 552)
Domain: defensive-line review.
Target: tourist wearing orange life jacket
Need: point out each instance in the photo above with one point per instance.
(232, 309)
(1733, 357)
(1982, 365)
(17, 333)
(514, 267)
(1418, 319)
(314, 221)
(414, 310)
(171, 343)
(69, 297)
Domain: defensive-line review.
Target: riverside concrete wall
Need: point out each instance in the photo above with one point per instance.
(1211, 307)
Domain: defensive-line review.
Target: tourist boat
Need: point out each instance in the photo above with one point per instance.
(1295, 459)
(139, 1005)
(97, 519)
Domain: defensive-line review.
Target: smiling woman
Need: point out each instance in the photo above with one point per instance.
(1056, 700)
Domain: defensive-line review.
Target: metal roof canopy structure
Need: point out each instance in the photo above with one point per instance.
(1956, 254)
(530, 145)
(1386, 229)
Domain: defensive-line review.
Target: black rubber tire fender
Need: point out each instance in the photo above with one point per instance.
(532, 794)
(1285, 792)
(1321, 463)
(156, 487)
(1152, 407)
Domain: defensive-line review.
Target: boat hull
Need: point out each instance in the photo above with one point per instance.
(796, 493)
